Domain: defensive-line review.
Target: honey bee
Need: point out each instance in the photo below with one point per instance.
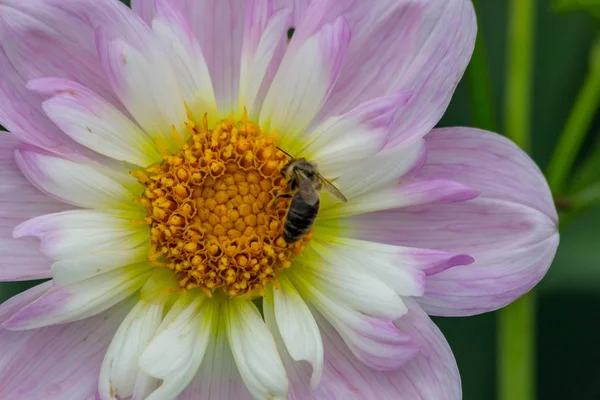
(304, 182)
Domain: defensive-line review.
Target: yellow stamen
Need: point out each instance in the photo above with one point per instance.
(209, 210)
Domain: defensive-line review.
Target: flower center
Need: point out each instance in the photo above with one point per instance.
(211, 213)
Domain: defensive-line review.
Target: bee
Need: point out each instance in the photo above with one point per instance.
(304, 182)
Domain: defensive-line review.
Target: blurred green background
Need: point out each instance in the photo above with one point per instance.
(568, 299)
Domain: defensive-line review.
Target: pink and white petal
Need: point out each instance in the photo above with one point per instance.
(17, 302)
(217, 25)
(189, 65)
(74, 183)
(120, 366)
(340, 142)
(72, 234)
(286, 313)
(19, 200)
(404, 269)
(300, 374)
(350, 283)
(258, 13)
(376, 342)
(94, 123)
(58, 362)
(144, 385)
(412, 192)
(303, 82)
(21, 112)
(42, 40)
(69, 303)
(218, 376)
(254, 351)
(176, 352)
(432, 374)
(366, 176)
(257, 64)
(426, 45)
(145, 9)
(510, 230)
(147, 86)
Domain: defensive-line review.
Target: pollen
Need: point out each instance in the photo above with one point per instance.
(211, 211)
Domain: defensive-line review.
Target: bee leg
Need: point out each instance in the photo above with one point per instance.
(276, 199)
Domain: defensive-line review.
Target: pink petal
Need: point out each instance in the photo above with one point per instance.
(16, 303)
(510, 230)
(491, 164)
(19, 200)
(432, 374)
(58, 362)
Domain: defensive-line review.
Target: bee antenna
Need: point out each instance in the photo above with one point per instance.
(285, 152)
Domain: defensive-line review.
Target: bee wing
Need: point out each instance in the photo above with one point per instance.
(307, 189)
(332, 189)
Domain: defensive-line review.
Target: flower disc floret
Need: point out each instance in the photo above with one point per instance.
(211, 212)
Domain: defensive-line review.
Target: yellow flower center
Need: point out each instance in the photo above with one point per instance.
(211, 213)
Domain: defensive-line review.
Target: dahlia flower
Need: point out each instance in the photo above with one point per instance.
(140, 177)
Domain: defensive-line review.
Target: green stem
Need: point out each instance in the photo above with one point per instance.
(586, 197)
(480, 91)
(517, 350)
(516, 323)
(577, 125)
(519, 71)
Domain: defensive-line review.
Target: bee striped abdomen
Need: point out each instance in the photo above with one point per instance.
(300, 218)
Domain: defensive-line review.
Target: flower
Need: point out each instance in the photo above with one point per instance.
(145, 155)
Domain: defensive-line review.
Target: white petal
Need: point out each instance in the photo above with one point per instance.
(187, 59)
(218, 377)
(348, 281)
(382, 169)
(297, 326)
(303, 82)
(147, 86)
(120, 366)
(72, 270)
(95, 123)
(80, 300)
(74, 183)
(254, 351)
(176, 352)
(73, 234)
